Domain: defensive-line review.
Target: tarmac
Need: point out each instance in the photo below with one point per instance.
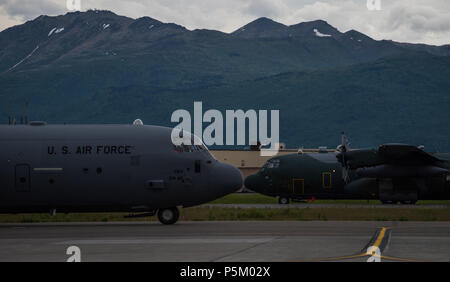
(339, 205)
(228, 241)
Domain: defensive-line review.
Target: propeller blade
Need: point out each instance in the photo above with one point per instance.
(344, 173)
(344, 143)
(343, 148)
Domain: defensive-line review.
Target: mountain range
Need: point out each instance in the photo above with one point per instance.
(99, 67)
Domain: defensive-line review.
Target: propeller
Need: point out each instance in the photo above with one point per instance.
(343, 148)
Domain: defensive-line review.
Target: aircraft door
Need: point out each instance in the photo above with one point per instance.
(327, 182)
(197, 166)
(298, 186)
(22, 178)
(199, 173)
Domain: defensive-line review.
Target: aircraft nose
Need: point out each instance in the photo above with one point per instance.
(252, 182)
(230, 178)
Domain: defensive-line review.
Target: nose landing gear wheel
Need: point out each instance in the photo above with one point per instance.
(168, 216)
(283, 200)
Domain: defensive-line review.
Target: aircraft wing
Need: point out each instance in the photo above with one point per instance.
(405, 154)
(398, 160)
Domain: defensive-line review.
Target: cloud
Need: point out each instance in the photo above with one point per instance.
(418, 21)
(6, 21)
(15, 12)
(266, 8)
(28, 9)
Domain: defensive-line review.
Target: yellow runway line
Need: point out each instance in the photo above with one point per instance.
(380, 236)
(400, 259)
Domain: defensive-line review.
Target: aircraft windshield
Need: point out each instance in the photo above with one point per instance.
(190, 148)
(193, 140)
(273, 163)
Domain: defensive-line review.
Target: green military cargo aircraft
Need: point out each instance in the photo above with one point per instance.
(392, 173)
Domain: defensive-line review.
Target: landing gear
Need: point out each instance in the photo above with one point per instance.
(168, 215)
(389, 202)
(283, 200)
(409, 202)
(403, 202)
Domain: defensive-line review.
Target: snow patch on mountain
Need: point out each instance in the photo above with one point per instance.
(51, 31)
(21, 61)
(319, 34)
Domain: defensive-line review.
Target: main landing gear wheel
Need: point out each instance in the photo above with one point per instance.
(409, 202)
(168, 216)
(283, 200)
(389, 202)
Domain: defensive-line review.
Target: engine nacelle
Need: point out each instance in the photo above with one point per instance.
(394, 171)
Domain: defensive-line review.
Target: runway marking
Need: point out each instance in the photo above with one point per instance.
(380, 240)
(332, 258)
(400, 259)
(242, 250)
(381, 236)
(165, 241)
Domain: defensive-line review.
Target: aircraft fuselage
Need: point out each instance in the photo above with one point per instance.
(96, 168)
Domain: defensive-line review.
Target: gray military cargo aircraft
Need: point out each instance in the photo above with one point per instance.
(106, 168)
(391, 173)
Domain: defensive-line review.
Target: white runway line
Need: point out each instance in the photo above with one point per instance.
(166, 241)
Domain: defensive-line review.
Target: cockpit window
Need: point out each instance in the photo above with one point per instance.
(189, 148)
(273, 163)
(192, 147)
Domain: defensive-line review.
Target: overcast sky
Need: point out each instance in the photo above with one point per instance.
(418, 21)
